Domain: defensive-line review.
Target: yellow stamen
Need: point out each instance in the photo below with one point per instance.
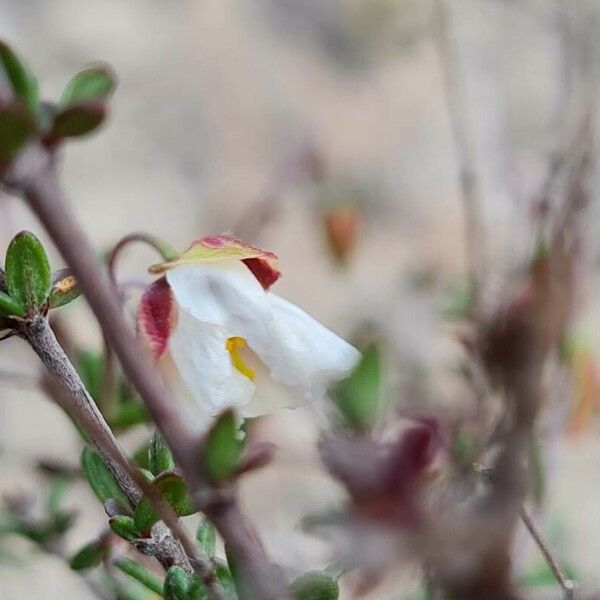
(234, 345)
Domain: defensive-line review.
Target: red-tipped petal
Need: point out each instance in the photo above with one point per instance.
(157, 316)
(262, 263)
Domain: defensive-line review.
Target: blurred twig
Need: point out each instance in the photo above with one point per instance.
(463, 143)
(567, 585)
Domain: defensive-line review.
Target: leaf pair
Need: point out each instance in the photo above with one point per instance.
(28, 284)
(82, 107)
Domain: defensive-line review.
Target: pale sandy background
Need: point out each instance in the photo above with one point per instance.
(213, 96)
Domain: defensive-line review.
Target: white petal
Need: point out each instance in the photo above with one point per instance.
(199, 352)
(222, 294)
(301, 352)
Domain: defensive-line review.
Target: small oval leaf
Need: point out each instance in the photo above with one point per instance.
(222, 447)
(64, 289)
(99, 477)
(160, 458)
(27, 271)
(177, 584)
(144, 516)
(22, 81)
(77, 120)
(16, 127)
(92, 84)
(124, 527)
(89, 556)
(315, 585)
(207, 537)
(173, 489)
(10, 307)
(136, 571)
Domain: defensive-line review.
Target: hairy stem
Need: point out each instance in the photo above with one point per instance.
(34, 175)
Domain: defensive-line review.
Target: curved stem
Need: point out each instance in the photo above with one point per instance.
(165, 250)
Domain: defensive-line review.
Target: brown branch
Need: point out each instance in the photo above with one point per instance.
(34, 176)
(40, 337)
(77, 402)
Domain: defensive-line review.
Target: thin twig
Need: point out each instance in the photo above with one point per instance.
(567, 585)
(34, 175)
(463, 143)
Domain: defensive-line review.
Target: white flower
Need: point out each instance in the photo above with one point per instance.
(216, 329)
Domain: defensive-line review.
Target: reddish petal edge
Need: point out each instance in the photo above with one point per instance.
(156, 317)
(263, 270)
(262, 263)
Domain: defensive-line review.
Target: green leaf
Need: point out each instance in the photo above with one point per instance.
(207, 537)
(145, 515)
(27, 270)
(56, 493)
(90, 366)
(222, 448)
(124, 527)
(99, 477)
(141, 574)
(93, 84)
(315, 585)
(89, 556)
(77, 120)
(10, 307)
(64, 289)
(22, 81)
(177, 584)
(226, 580)
(140, 456)
(16, 127)
(159, 456)
(197, 590)
(173, 489)
(129, 413)
(241, 580)
(359, 397)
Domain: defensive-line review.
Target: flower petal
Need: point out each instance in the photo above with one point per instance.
(299, 351)
(199, 352)
(216, 248)
(157, 315)
(228, 297)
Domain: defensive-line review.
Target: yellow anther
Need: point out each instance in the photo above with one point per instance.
(234, 345)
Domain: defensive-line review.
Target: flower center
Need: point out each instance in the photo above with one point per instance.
(234, 345)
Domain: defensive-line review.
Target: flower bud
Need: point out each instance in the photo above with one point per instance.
(342, 225)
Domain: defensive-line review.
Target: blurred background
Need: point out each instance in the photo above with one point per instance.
(321, 130)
